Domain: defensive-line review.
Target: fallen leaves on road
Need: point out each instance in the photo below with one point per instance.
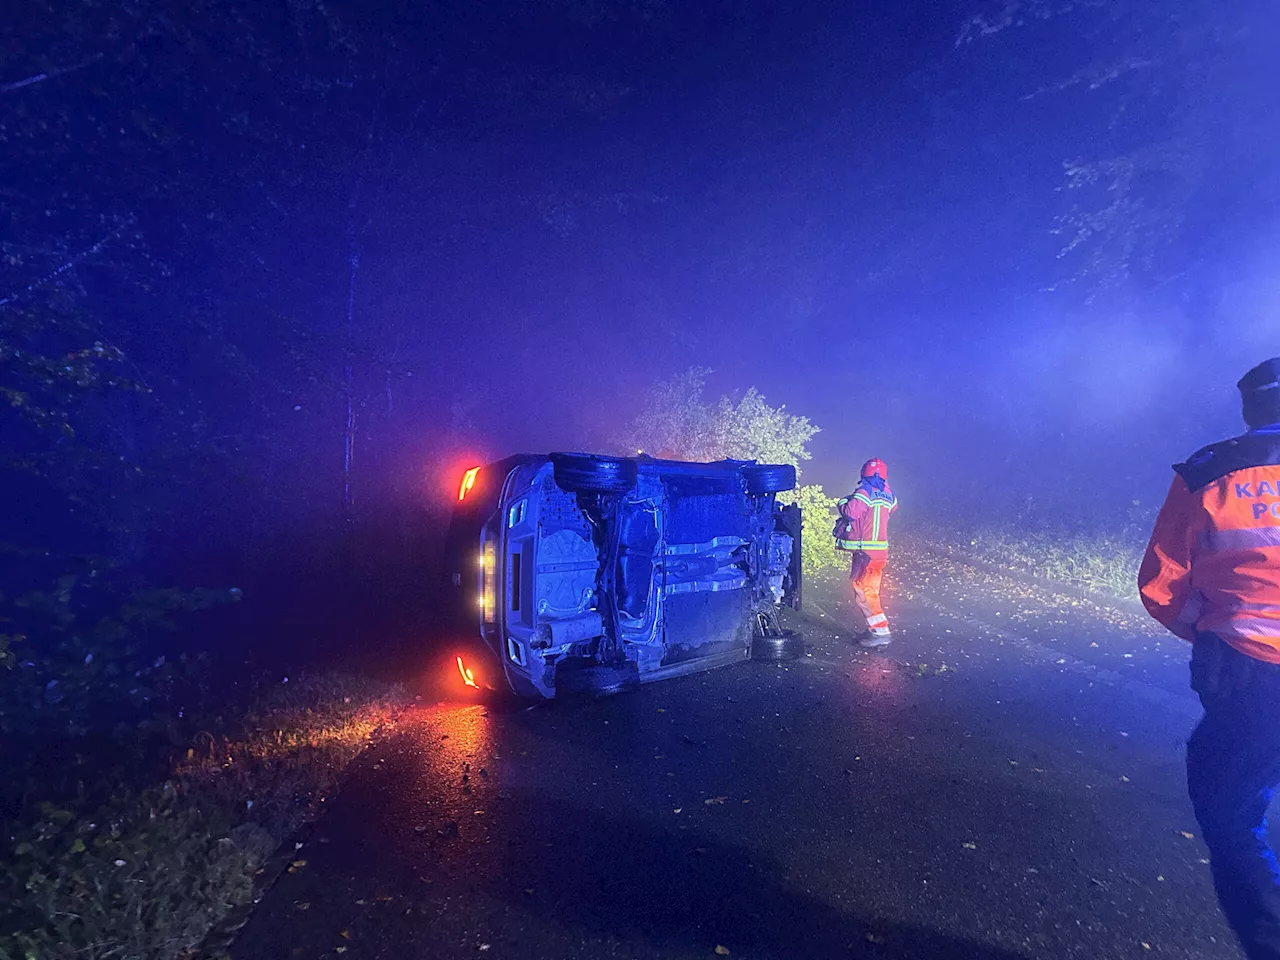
(712, 801)
(971, 846)
(722, 951)
(1189, 836)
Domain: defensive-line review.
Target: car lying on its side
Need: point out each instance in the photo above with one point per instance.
(582, 573)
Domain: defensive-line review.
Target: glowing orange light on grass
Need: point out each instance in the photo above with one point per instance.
(468, 481)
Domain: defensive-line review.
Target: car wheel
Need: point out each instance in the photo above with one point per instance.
(770, 478)
(582, 473)
(788, 646)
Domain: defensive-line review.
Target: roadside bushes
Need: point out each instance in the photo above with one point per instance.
(818, 510)
(678, 420)
(93, 689)
(148, 872)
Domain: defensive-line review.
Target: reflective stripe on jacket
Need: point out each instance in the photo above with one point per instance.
(866, 512)
(1213, 563)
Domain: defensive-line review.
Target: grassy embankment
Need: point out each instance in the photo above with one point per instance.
(1105, 565)
(150, 870)
(1099, 564)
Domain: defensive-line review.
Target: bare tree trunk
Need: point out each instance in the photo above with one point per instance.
(354, 234)
(348, 502)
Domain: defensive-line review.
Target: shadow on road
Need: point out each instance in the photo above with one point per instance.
(684, 891)
(547, 872)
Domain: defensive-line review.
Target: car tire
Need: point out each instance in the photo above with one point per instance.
(770, 478)
(788, 646)
(582, 473)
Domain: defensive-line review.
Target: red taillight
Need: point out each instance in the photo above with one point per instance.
(468, 481)
(468, 677)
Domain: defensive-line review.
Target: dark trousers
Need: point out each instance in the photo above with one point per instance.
(1233, 767)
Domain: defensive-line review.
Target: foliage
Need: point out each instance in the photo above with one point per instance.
(750, 429)
(148, 873)
(1104, 562)
(89, 665)
(143, 375)
(1105, 565)
(90, 712)
(677, 421)
(817, 549)
(1175, 150)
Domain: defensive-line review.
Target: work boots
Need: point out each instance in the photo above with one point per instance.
(873, 639)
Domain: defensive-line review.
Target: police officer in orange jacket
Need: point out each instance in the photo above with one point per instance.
(1212, 576)
(864, 530)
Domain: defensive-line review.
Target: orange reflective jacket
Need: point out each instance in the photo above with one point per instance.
(1213, 564)
(865, 514)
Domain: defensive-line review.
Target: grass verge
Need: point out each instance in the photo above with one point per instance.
(150, 872)
(1100, 564)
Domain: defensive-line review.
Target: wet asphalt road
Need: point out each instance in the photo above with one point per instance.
(1004, 781)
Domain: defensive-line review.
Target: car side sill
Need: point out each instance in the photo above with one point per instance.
(696, 665)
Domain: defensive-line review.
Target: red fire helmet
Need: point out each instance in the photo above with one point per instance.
(873, 467)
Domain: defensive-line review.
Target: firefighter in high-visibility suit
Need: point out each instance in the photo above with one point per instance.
(864, 530)
(1211, 575)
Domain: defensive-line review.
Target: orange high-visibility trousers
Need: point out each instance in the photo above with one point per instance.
(865, 574)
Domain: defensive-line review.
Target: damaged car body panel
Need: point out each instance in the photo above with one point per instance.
(590, 574)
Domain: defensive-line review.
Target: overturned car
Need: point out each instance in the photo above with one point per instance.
(576, 573)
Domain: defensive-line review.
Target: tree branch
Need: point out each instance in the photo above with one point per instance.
(48, 75)
(78, 258)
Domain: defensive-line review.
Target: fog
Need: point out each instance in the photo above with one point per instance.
(1015, 249)
(274, 276)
